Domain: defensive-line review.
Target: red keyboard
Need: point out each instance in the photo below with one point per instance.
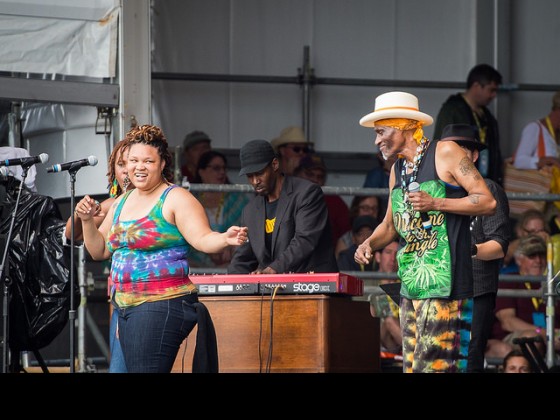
(297, 283)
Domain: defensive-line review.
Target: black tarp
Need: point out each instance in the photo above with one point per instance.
(37, 268)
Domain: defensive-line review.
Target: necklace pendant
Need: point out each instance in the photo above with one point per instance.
(406, 218)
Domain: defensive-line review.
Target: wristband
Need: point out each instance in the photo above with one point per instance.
(474, 251)
(538, 330)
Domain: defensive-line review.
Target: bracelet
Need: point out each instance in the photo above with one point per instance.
(538, 330)
(474, 250)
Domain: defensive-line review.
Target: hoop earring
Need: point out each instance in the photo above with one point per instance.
(126, 183)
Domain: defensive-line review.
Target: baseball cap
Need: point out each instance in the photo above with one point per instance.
(531, 245)
(254, 156)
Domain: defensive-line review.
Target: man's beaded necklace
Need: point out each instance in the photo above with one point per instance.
(414, 165)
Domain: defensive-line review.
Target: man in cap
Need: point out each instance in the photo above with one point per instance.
(288, 222)
(519, 317)
(490, 236)
(434, 188)
(291, 146)
(194, 145)
(471, 107)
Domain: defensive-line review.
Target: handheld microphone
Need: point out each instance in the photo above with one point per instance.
(26, 162)
(74, 165)
(415, 187)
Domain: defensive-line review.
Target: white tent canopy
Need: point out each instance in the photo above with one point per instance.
(61, 37)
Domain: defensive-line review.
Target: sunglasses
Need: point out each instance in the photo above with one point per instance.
(298, 149)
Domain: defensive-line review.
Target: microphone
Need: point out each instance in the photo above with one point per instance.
(26, 162)
(415, 187)
(74, 165)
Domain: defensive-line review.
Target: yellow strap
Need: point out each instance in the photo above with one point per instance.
(536, 301)
(481, 130)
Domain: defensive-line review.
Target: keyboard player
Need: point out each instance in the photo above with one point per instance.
(288, 223)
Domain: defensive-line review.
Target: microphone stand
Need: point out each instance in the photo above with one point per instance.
(5, 278)
(550, 305)
(72, 311)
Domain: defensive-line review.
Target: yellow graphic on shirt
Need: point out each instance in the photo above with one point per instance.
(269, 225)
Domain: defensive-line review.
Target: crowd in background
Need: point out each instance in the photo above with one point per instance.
(525, 246)
(351, 224)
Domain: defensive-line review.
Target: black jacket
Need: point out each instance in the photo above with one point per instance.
(301, 241)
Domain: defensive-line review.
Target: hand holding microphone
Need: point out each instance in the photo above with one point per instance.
(415, 187)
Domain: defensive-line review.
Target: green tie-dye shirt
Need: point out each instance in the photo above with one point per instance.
(424, 262)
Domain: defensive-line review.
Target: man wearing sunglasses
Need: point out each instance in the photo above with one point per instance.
(291, 146)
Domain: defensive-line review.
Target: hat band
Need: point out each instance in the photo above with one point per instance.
(455, 138)
(397, 107)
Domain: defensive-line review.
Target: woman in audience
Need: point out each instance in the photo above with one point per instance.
(222, 208)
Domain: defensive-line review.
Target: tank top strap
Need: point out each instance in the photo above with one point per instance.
(120, 206)
(157, 210)
(164, 194)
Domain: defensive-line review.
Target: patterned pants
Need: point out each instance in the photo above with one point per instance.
(436, 335)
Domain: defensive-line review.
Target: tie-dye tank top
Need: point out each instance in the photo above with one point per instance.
(149, 257)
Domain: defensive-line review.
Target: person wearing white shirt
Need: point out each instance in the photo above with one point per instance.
(16, 171)
(528, 155)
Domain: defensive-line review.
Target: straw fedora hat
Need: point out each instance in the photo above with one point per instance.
(396, 105)
(289, 135)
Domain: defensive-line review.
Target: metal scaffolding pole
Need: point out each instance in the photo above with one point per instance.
(306, 79)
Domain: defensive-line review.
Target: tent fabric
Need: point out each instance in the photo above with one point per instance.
(71, 47)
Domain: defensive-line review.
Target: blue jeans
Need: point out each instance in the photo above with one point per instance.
(116, 364)
(152, 332)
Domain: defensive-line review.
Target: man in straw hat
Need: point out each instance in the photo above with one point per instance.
(490, 236)
(434, 188)
(524, 317)
(291, 146)
(288, 220)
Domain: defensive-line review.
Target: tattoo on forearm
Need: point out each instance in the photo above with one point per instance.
(475, 198)
(467, 168)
